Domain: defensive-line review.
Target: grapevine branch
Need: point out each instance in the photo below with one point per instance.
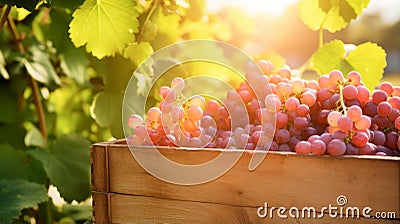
(35, 88)
(4, 17)
(148, 16)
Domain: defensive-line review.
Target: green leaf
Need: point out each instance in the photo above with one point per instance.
(74, 62)
(40, 67)
(107, 107)
(331, 15)
(138, 52)
(105, 27)
(34, 138)
(168, 28)
(368, 59)
(77, 212)
(18, 164)
(67, 166)
(115, 81)
(27, 4)
(18, 194)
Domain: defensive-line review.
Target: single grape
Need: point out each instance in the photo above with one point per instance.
(336, 77)
(272, 103)
(135, 120)
(394, 114)
(318, 147)
(292, 103)
(163, 91)
(243, 140)
(303, 110)
(198, 100)
(339, 135)
(354, 113)
(141, 131)
(313, 138)
(396, 91)
(384, 109)
(351, 150)
(379, 96)
(397, 123)
(324, 81)
(282, 136)
(350, 92)
(336, 147)
(245, 95)
(395, 102)
(360, 138)
(303, 147)
(178, 84)
(387, 87)
(345, 124)
(154, 113)
(370, 109)
(284, 90)
(298, 86)
(391, 140)
(300, 123)
(309, 98)
(333, 118)
(281, 119)
(379, 138)
(293, 142)
(285, 73)
(363, 94)
(189, 125)
(354, 78)
(381, 122)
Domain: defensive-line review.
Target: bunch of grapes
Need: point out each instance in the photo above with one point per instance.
(335, 115)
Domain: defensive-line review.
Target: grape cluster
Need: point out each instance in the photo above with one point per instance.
(334, 115)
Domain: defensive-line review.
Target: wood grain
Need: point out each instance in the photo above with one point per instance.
(281, 180)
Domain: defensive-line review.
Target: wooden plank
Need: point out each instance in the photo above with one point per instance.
(142, 209)
(101, 207)
(281, 180)
(99, 167)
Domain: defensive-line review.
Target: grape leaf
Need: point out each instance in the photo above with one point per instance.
(73, 62)
(331, 15)
(39, 66)
(138, 52)
(168, 28)
(68, 156)
(17, 194)
(150, 32)
(18, 164)
(26, 4)
(106, 26)
(369, 59)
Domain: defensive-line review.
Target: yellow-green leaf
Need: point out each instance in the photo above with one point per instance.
(331, 15)
(368, 59)
(138, 52)
(104, 26)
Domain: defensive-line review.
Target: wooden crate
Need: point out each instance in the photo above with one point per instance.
(123, 192)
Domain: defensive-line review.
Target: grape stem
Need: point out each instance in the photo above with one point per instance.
(341, 100)
(147, 19)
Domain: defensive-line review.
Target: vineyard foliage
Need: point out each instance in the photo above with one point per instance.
(64, 66)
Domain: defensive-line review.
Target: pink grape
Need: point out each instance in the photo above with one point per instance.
(135, 120)
(387, 87)
(300, 123)
(397, 123)
(282, 136)
(266, 66)
(363, 123)
(354, 113)
(354, 78)
(363, 94)
(324, 81)
(350, 92)
(384, 109)
(308, 98)
(360, 139)
(194, 112)
(345, 124)
(292, 103)
(303, 110)
(154, 113)
(336, 77)
(333, 118)
(367, 149)
(298, 86)
(273, 103)
(379, 96)
(336, 147)
(178, 84)
(164, 91)
(303, 147)
(189, 125)
(318, 147)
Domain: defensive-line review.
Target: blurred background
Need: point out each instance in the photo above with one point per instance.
(258, 26)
